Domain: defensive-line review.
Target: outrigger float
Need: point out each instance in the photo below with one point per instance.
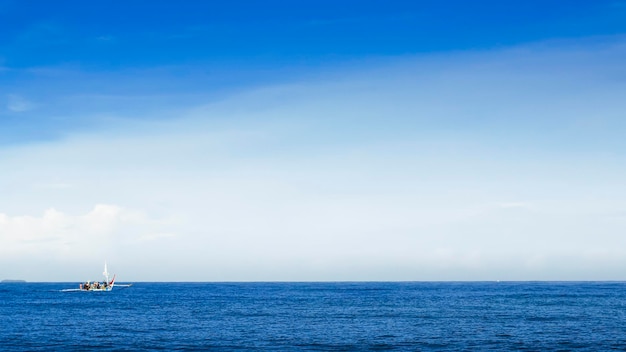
(97, 286)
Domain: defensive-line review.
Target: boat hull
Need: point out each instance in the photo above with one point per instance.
(96, 289)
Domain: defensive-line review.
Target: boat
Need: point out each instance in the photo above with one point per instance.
(97, 286)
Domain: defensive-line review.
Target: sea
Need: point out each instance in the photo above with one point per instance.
(337, 316)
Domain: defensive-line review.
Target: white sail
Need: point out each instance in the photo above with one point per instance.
(106, 272)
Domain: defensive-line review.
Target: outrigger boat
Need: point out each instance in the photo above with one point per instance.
(97, 286)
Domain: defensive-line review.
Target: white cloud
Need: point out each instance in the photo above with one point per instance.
(17, 103)
(54, 185)
(73, 238)
(524, 205)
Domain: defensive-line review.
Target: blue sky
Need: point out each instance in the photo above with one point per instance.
(313, 140)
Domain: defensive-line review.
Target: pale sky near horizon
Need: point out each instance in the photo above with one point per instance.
(359, 140)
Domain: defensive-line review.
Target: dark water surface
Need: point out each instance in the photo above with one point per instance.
(535, 316)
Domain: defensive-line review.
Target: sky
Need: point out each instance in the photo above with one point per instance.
(313, 140)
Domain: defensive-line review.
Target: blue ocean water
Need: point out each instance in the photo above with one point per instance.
(411, 316)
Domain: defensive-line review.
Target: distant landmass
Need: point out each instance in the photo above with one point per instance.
(13, 281)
